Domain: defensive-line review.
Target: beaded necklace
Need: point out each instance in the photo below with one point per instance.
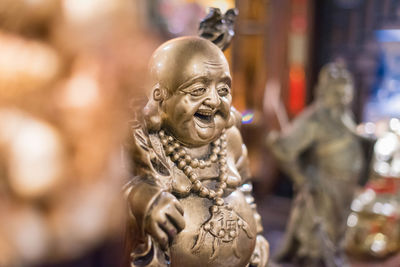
(224, 224)
(184, 162)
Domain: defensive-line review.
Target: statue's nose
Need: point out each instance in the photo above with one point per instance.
(212, 99)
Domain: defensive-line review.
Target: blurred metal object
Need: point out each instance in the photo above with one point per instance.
(65, 76)
(218, 27)
(373, 227)
(386, 162)
(322, 153)
(190, 201)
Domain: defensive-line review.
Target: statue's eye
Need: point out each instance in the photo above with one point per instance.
(223, 91)
(198, 91)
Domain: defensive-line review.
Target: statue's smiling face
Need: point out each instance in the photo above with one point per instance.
(198, 109)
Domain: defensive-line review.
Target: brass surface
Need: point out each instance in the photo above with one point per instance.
(373, 225)
(218, 27)
(189, 201)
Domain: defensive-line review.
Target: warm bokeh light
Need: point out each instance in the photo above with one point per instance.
(68, 71)
(17, 77)
(35, 153)
(297, 89)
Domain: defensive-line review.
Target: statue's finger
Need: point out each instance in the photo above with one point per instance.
(169, 229)
(176, 219)
(179, 207)
(159, 236)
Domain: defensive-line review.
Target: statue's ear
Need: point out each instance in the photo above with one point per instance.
(235, 118)
(157, 94)
(152, 115)
(152, 110)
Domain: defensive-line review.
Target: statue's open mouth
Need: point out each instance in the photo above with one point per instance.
(204, 118)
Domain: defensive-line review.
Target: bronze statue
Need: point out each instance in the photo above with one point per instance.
(322, 153)
(190, 200)
(219, 28)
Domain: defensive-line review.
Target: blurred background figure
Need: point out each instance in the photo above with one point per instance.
(323, 155)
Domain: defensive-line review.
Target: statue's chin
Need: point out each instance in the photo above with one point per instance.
(205, 134)
(201, 136)
(199, 133)
(213, 129)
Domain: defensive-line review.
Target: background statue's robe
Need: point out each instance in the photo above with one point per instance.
(323, 155)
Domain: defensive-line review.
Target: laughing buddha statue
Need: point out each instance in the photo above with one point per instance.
(190, 199)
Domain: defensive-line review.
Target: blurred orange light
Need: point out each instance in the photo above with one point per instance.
(299, 24)
(296, 89)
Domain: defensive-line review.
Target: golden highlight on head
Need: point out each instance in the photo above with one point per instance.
(172, 58)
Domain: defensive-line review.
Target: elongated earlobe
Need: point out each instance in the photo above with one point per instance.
(152, 116)
(152, 112)
(235, 118)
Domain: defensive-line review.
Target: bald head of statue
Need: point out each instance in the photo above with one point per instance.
(191, 91)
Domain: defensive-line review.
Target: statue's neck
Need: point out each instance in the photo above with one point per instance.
(198, 152)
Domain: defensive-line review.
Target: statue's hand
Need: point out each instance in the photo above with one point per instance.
(271, 139)
(165, 219)
(260, 253)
